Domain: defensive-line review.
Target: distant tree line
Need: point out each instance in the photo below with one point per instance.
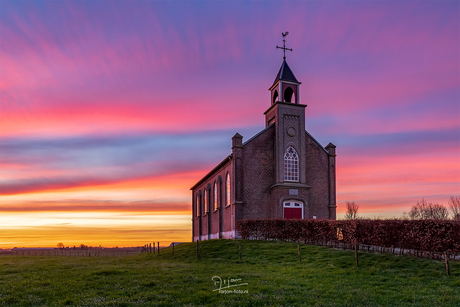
(422, 210)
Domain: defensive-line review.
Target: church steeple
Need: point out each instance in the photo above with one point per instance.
(285, 88)
(285, 73)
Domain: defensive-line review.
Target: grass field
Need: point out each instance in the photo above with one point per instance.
(269, 271)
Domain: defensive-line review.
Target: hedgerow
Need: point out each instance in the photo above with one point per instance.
(422, 237)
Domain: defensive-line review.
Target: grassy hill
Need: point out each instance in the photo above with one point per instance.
(270, 274)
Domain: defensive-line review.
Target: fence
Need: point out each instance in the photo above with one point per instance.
(76, 253)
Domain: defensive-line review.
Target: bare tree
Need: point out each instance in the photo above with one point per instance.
(352, 210)
(60, 245)
(454, 204)
(424, 210)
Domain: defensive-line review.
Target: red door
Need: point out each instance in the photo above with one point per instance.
(292, 213)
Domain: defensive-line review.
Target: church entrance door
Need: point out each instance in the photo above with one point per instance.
(293, 210)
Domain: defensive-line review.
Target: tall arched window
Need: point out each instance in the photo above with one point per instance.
(227, 188)
(205, 201)
(197, 205)
(291, 165)
(215, 196)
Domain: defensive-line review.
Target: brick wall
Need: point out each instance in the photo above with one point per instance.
(214, 220)
(317, 174)
(259, 175)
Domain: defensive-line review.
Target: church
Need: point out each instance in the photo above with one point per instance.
(282, 172)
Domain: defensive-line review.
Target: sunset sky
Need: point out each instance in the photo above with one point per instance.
(111, 111)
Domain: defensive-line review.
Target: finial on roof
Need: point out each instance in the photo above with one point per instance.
(284, 45)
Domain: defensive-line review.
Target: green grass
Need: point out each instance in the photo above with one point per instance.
(325, 277)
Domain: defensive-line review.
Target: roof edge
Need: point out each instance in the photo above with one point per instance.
(211, 172)
(258, 133)
(316, 141)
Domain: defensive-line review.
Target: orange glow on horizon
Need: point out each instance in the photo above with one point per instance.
(108, 229)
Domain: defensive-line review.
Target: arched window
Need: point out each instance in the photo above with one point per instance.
(197, 205)
(288, 94)
(227, 188)
(205, 201)
(291, 165)
(215, 196)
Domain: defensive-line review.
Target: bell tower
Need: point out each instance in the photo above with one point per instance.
(285, 87)
(288, 116)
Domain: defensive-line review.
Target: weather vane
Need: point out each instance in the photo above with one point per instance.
(284, 45)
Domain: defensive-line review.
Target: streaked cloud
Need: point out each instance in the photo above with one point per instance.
(96, 205)
(118, 107)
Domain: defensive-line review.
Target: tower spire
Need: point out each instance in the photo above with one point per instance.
(284, 45)
(285, 88)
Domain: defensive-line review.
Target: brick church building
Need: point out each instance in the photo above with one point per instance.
(280, 173)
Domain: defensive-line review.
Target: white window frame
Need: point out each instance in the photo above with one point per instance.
(291, 166)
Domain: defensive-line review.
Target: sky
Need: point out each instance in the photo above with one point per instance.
(111, 111)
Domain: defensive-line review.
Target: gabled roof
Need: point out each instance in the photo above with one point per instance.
(285, 74)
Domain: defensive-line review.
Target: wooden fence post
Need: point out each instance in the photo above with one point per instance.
(356, 253)
(446, 257)
(158, 247)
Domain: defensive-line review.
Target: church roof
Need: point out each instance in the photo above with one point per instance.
(213, 171)
(257, 135)
(285, 73)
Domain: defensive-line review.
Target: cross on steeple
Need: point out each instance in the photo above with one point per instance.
(284, 45)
